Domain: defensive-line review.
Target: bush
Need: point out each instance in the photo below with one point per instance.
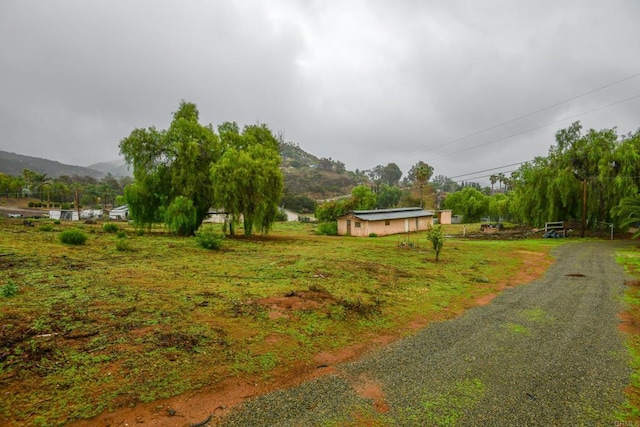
(373, 235)
(46, 227)
(180, 217)
(209, 239)
(56, 222)
(31, 204)
(121, 234)
(110, 227)
(9, 289)
(328, 228)
(73, 236)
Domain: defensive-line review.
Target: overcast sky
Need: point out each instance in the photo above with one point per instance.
(363, 82)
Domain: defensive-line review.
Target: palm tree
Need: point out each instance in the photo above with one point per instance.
(501, 179)
(493, 179)
(628, 211)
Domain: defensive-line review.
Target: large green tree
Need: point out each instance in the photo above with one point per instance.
(168, 164)
(597, 164)
(391, 174)
(468, 202)
(248, 180)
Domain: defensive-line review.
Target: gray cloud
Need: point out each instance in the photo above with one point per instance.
(364, 82)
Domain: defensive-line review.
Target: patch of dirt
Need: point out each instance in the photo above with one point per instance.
(283, 306)
(368, 388)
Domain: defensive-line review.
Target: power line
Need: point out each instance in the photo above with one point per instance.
(491, 169)
(573, 98)
(538, 127)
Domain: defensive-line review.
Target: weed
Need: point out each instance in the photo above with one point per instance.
(518, 329)
(9, 289)
(73, 237)
(446, 408)
(46, 227)
(121, 234)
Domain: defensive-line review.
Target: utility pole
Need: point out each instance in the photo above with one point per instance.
(584, 206)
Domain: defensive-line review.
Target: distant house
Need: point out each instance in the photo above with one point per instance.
(383, 222)
(120, 212)
(64, 215)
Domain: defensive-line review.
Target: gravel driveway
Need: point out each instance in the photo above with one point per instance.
(546, 353)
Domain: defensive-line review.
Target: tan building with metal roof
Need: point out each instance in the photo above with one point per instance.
(384, 222)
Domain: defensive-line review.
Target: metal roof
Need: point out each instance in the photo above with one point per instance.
(384, 214)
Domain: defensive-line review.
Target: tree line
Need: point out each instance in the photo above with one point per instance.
(65, 190)
(589, 176)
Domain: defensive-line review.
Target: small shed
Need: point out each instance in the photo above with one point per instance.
(445, 216)
(383, 222)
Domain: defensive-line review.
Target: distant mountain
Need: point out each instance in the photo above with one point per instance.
(307, 175)
(13, 164)
(116, 168)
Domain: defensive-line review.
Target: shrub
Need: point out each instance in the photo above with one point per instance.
(9, 289)
(110, 227)
(121, 234)
(209, 239)
(73, 236)
(46, 227)
(373, 235)
(56, 222)
(328, 228)
(31, 204)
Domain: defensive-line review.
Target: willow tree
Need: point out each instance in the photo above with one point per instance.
(170, 166)
(584, 176)
(248, 179)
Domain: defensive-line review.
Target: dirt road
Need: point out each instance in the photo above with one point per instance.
(545, 353)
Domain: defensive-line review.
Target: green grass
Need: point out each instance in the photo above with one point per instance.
(95, 328)
(630, 259)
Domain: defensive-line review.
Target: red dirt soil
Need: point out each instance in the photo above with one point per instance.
(217, 400)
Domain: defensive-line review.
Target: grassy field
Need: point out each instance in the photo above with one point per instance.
(122, 320)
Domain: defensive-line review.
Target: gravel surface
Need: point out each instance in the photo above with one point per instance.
(542, 354)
